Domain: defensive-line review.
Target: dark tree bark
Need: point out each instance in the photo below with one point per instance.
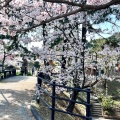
(3, 61)
(71, 104)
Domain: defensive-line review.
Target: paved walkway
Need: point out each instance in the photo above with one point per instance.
(15, 98)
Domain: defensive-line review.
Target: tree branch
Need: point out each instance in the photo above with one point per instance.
(91, 85)
(51, 19)
(82, 8)
(63, 1)
(96, 7)
(6, 3)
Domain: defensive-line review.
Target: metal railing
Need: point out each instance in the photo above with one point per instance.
(7, 73)
(54, 97)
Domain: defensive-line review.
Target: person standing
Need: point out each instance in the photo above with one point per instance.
(25, 65)
(33, 70)
(22, 70)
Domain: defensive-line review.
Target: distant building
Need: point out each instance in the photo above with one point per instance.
(19, 63)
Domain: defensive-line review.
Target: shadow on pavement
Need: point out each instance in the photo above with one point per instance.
(14, 104)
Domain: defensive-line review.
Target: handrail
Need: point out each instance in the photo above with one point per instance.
(7, 73)
(79, 89)
(54, 97)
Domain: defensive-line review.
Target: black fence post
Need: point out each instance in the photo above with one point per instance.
(10, 73)
(88, 106)
(53, 102)
(4, 74)
(15, 72)
(39, 79)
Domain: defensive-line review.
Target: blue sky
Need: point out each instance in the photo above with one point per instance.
(108, 27)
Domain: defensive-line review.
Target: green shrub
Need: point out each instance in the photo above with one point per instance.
(18, 73)
(37, 64)
(107, 103)
(29, 74)
(100, 97)
(1, 74)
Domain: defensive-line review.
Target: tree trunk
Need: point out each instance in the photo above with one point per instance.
(74, 95)
(3, 61)
(71, 104)
(105, 87)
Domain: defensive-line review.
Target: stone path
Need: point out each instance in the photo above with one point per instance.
(15, 98)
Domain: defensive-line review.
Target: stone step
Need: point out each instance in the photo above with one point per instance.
(93, 109)
(99, 106)
(96, 110)
(97, 113)
(96, 105)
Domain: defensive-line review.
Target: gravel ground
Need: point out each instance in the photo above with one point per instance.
(15, 98)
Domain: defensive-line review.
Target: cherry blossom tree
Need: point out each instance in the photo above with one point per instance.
(109, 57)
(10, 47)
(18, 16)
(5, 54)
(21, 16)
